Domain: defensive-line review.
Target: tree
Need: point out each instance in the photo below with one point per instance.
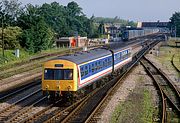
(76, 20)
(10, 10)
(66, 20)
(37, 35)
(74, 9)
(175, 23)
(11, 37)
(55, 17)
(101, 28)
(114, 20)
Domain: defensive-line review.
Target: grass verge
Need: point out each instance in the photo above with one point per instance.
(137, 109)
(10, 60)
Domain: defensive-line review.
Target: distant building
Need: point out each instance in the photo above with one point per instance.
(162, 26)
(71, 42)
(112, 30)
(152, 24)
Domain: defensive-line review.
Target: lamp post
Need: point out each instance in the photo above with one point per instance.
(175, 33)
(2, 22)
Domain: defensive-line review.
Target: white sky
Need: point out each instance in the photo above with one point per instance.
(136, 10)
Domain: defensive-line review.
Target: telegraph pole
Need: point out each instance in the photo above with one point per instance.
(2, 23)
(3, 35)
(175, 33)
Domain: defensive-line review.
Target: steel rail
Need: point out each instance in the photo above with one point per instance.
(18, 90)
(163, 111)
(144, 50)
(17, 118)
(174, 103)
(92, 115)
(19, 101)
(40, 113)
(58, 116)
(165, 77)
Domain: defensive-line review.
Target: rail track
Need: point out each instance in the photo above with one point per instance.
(61, 113)
(15, 91)
(170, 96)
(94, 116)
(9, 109)
(29, 110)
(87, 111)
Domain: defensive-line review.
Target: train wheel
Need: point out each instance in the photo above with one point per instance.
(52, 96)
(68, 98)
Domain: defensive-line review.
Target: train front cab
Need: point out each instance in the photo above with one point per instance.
(59, 77)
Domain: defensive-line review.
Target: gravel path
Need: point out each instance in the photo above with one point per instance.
(121, 95)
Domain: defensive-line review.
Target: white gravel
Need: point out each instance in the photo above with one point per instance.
(121, 95)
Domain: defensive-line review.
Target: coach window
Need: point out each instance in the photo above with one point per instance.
(86, 70)
(120, 56)
(96, 66)
(100, 64)
(123, 55)
(82, 71)
(110, 61)
(115, 58)
(49, 74)
(90, 68)
(93, 67)
(68, 74)
(106, 63)
(82, 74)
(58, 74)
(126, 53)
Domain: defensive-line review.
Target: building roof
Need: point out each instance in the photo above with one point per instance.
(155, 24)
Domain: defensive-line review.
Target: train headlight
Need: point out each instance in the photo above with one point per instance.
(58, 86)
(47, 87)
(69, 87)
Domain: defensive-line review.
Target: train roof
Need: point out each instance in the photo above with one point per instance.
(84, 56)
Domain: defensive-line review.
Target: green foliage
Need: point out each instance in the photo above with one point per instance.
(11, 37)
(41, 24)
(36, 35)
(74, 9)
(147, 114)
(66, 20)
(115, 20)
(175, 23)
(101, 28)
(10, 57)
(9, 10)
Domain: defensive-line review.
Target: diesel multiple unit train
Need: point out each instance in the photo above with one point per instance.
(71, 73)
(132, 33)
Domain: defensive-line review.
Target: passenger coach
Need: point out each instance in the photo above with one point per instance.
(72, 72)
